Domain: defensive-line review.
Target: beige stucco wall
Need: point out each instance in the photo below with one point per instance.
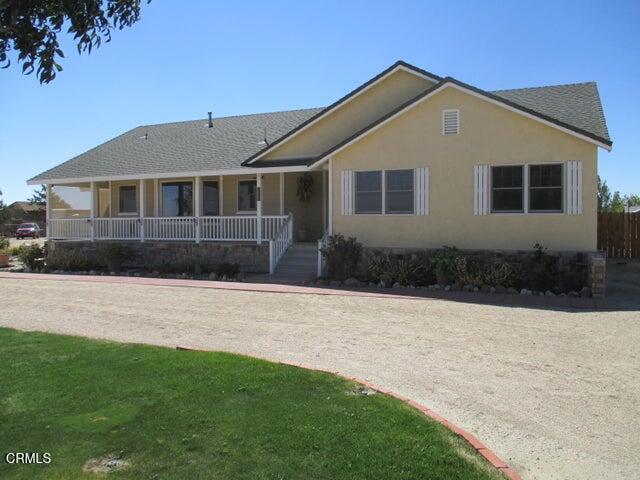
(488, 134)
(353, 116)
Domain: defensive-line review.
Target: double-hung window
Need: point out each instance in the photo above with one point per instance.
(396, 187)
(247, 195)
(210, 198)
(545, 188)
(399, 191)
(507, 189)
(369, 192)
(127, 199)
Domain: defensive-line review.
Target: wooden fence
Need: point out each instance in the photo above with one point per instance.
(619, 234)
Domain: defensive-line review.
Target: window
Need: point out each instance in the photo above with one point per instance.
(545, 188)
(450, 122)
(247, 195)
(507, 192)
(369, 192)
(177, 199)
(210, 199)
(399, 191)
(127, 197)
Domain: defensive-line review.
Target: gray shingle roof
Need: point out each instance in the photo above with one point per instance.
(180, 147)
(193, 147)
(576, 104)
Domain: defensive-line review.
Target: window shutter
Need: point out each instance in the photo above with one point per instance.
(481, 190)
(574, 187)
(346, 192)
(422, 190)
(450, 122)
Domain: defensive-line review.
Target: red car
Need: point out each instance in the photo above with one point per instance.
(28, 230)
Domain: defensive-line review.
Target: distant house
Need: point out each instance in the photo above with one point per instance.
(27, 212)
(632, 209)
(408, 160)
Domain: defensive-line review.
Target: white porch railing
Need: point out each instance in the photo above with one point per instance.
(170, 228)
(229, 228)
(115, 228)
(280, 243)
(70, 228)
(322, 243)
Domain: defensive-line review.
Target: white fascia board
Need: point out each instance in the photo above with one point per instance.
(146, 176)
(475, 94)
(328, 112)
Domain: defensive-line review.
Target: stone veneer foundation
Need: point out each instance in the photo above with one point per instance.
(176, 255)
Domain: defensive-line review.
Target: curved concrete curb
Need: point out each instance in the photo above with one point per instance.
(477, 445)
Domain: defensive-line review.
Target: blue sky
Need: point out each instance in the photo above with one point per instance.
(187, 57)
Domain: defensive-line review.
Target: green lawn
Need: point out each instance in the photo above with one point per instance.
(193, 415)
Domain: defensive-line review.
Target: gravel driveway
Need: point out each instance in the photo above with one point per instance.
(554, 393)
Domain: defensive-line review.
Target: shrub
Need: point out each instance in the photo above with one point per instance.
(544, 271)
(30, 255)
(226, 269)
(4, 245)
(343, 256)
(443, 261)
(469, 272)
(70, 261)
(114, 255)
(406, 271)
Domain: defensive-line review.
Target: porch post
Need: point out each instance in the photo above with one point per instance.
(281, 193)
(259, 207)
(198, 205)
(48, 210)
(221, 198)
(92, 213)
(141, 210)
(156, 196)
(330, 226)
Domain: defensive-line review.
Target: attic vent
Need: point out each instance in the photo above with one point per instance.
(450, 122)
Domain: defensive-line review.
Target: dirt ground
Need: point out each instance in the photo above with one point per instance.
(556, 393)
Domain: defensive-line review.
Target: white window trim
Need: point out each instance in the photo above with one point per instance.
(128, 214)
(525, 183)
(245, 212)
(457, 112)
(384, 213)
(160, 195)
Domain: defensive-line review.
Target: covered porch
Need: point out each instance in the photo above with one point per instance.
(236, 207)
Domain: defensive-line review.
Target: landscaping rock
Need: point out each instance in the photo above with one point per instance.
(585, 292)
(447, 288)
(212, 276)
(485, 289)
(396, 285)
(351, 282)
(476, 289)
(372, 285)
(524, 291)
(335, 283)
(500, 289)
(467, 288)
(322, 282)
(574, 294)
(549, 293)
(386, 280)
(456, 287)
(311, 278)
(92, 272)
(512, 291)
(492, 290)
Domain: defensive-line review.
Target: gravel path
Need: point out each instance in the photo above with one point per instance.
(556, 394)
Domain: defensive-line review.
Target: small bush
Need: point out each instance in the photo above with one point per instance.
(544, 271)
(443, 261)
(30, 255)
(71, 261)
(343, 256)
(226, 269)
(114, 255)
(406, 271)
(469, 272)
(4, 246)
